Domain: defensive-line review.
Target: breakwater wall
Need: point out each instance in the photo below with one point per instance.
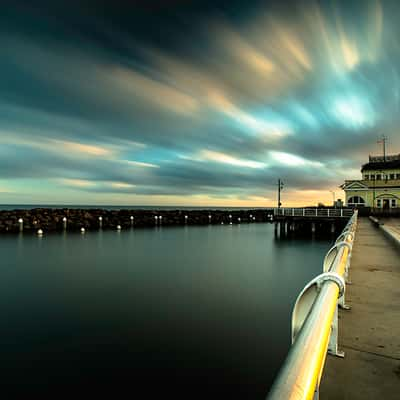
(51, 220)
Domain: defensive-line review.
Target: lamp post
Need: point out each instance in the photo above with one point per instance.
(280, 187)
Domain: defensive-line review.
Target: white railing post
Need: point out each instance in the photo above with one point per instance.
(328, 213)
(341, 212)
(304, 212)
(316, 212)
(292, 212)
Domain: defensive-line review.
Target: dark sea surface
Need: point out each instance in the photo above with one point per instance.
(174, 312)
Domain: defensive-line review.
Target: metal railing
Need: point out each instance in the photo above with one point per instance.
(315, 324)
(314, 212)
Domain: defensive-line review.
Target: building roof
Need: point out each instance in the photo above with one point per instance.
(354, 185)
(381, 165)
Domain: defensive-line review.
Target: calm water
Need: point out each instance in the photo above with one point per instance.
(180, 312)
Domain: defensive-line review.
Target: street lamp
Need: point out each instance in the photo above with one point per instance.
(280, 187)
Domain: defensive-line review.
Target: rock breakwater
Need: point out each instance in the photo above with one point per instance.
(58, 219)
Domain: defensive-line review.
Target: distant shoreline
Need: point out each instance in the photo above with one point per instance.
(120, 207)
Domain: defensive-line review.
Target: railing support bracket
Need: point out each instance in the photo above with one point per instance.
(333, 340)
(306, 299)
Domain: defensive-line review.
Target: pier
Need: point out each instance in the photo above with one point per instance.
(369, 332)
(304, 221)
(361, 333)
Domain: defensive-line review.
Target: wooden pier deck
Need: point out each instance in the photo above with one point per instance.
(369, 333)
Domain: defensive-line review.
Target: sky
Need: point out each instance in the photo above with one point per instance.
(194, 103)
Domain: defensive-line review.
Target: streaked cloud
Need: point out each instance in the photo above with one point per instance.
(131, 83)
(121, 185)
(253, 124)
(113, 111)
(353, 112)
(350, 54)
(139, 164)
(68, 148)
(80, 183)
(375, 30)
(293, 160)
(223, 158)
(85, 149)
(244, 52)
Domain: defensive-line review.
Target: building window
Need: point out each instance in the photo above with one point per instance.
(366, 177)
(393, 203)
(372, 177)
(398, 176)
(356, 201)
(379, 203)
(392, 176)
(378, 177)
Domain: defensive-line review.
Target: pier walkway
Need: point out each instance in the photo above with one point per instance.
(369, 333)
